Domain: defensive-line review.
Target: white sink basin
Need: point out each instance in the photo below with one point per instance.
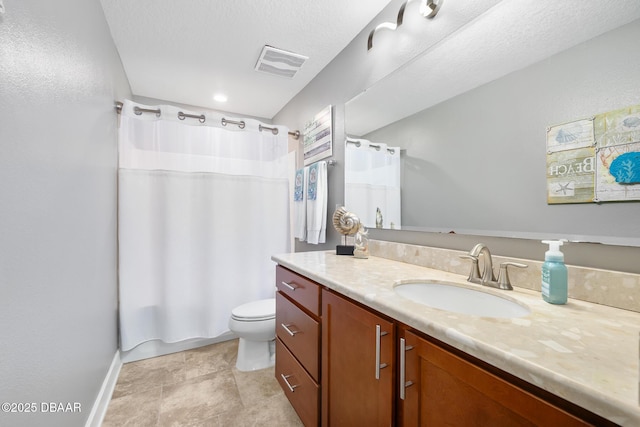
(449, 297)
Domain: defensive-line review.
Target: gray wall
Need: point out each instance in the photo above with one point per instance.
(59, 77)
(530, 107)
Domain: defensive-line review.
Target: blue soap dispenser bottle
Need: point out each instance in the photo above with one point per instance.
(554, 274)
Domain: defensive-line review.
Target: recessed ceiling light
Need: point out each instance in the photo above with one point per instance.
(220, 97)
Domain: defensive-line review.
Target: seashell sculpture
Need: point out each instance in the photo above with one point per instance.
(345, 222)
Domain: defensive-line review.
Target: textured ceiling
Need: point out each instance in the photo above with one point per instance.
(185, 51)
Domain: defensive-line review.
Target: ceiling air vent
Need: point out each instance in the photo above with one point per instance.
(279, 62)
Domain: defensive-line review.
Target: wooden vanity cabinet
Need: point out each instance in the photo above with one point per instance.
(358, 364)
(298, 343)
(343, 364)
(444, 388)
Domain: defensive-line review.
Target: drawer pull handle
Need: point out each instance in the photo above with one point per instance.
(292, 288)
(289, 331)
(285, 378)
(379, 334)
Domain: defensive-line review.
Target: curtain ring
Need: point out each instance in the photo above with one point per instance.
(138, 111)
(201, 119)
(274, 130)
(354, 142)
(181, 115)
(240, 123)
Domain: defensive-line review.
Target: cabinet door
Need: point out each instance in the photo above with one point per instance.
(448, 390)
(358, 352)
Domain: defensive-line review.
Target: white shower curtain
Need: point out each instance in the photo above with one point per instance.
(202, 208)
(372, 182)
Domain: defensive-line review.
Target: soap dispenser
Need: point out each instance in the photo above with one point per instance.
(554, 274)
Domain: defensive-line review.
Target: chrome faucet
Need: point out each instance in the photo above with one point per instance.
(487, 263)
(487, 278)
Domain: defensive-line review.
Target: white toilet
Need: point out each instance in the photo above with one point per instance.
(255, 324)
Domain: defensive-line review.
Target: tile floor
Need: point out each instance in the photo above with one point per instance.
(199, 387)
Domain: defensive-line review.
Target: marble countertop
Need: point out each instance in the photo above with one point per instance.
(584, 352)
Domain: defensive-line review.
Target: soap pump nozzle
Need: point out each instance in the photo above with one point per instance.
(554, 249)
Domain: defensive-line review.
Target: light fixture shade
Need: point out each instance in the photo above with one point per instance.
(279, 62)
(428, 8)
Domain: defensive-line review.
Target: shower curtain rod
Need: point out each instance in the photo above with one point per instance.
(201, 118)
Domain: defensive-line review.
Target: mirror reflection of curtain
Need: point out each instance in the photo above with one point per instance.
(202, 208)
(372, 182)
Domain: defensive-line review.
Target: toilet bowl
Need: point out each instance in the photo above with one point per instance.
(255, 324)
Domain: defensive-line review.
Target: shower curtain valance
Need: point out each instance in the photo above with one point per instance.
(164, 142)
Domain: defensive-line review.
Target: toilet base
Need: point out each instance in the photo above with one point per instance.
(254, 355)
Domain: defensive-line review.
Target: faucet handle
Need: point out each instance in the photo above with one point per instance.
(474, 273)
(503, 275)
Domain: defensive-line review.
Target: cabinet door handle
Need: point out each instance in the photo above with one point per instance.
(403, 383)
(289, 331)
(286, 380)
(379, 334)
(287, 285)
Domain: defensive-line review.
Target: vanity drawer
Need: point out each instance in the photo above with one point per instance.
(305, 394)
(300, 333)
(300, 289)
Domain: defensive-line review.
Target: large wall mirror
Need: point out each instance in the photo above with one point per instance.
(469, 119)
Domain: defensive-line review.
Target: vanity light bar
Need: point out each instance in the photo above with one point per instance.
(428, 8)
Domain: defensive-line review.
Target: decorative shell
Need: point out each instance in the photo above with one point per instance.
(345, 222)
(631, 122)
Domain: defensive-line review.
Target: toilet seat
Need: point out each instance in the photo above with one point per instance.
(255, 311)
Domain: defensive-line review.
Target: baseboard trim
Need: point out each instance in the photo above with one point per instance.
(101, 404)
